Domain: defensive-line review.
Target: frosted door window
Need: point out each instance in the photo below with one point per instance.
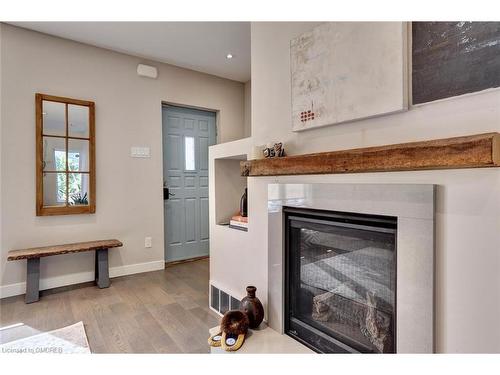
(189, 154)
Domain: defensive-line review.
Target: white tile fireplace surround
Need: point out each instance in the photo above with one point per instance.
(412, 205)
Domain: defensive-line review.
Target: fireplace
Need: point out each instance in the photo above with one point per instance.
(340, 280)
(338, 251)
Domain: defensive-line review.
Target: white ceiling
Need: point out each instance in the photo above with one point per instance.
(200, 46)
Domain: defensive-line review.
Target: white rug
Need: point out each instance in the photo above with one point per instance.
(67, 340)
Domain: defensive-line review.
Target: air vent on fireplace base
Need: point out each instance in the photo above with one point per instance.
(221, 302)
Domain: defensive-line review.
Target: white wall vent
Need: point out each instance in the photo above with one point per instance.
(147, 71)
(221, 302)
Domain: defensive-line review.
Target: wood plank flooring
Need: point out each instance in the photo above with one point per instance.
(156, 312)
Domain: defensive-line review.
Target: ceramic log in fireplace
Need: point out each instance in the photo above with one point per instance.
(340, 280)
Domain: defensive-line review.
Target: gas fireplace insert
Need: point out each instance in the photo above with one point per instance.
(340, 280)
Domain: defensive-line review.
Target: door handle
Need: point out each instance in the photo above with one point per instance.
(167, 194)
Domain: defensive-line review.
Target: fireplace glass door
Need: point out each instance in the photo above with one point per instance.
(340, 281)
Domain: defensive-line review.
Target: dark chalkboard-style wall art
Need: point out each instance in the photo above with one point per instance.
(454, 58)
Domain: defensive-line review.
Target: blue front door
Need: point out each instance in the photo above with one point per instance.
(187, 134)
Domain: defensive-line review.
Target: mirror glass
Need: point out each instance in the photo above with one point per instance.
(78, 155)
(54, 189)
(54, 118)
(65, 161)
(78, 185)
(54, 154)
(78, 121)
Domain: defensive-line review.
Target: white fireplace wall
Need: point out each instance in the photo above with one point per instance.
(467, 205)
(467, 201)
(467, 281)
(414, 207)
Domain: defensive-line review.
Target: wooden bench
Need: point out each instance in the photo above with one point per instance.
(34, 254)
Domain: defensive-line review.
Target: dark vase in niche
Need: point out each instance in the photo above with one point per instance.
(244, 204)
(252, 306)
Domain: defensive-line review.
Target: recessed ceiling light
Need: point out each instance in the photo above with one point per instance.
(229, 56)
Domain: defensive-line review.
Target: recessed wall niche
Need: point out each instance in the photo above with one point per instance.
(229, 187)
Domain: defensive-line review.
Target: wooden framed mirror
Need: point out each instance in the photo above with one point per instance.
(65, 156)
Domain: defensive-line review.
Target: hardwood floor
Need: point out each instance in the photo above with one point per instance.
(156, 312)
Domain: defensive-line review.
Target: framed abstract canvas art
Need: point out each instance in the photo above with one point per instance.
(345, 71)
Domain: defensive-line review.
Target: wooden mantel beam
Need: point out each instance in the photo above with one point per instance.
(474, 151)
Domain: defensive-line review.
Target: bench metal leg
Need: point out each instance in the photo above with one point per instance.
(33, 280)
(101, 268)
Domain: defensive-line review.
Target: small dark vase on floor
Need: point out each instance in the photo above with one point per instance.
(252, 307)
(244, 204)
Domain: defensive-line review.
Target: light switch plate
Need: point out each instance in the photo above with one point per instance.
(148, 242)
(140, 152)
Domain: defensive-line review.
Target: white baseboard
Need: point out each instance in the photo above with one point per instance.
(130, 269)
(81, 277)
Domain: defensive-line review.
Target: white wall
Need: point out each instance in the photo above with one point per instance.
(248, 109)
(1, 140)
(235, 261)
(468, 201)
(128, 113)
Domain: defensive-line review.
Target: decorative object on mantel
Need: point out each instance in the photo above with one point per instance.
(473, 151)
(252, 306)
(274, 151)
(279, 150)
(331, 62)
(233, 329)
(268, 151)
(244, 204)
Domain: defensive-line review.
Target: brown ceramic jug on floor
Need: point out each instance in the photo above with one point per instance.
(252, 307)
